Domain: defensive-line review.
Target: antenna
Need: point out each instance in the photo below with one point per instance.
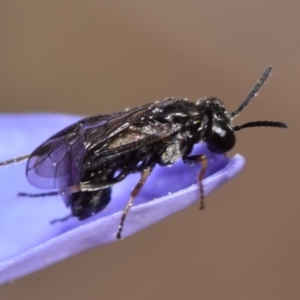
(260, 124)
(253, 92)
(250, 96)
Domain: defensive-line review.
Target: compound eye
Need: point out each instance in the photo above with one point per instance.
(220, 139)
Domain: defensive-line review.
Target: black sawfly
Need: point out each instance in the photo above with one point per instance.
(83, 161)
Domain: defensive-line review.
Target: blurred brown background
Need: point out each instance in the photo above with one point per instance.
(92, 57)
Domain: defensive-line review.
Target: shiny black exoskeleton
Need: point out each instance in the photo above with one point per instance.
(86, 159)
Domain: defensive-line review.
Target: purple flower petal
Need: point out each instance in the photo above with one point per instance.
(28, 242)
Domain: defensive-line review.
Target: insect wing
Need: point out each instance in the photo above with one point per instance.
(53, 164)
(57, 163)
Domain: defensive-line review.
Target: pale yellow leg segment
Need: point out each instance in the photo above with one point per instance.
(204, 162)
(144, 175)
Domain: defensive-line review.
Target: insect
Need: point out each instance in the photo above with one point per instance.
(83, 161)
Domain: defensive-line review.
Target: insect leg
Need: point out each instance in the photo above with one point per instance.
(46, 195)
(196, 159)
(14, 160)
(38, 195)
(95, 186)
(144, 175)
(61, 219)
